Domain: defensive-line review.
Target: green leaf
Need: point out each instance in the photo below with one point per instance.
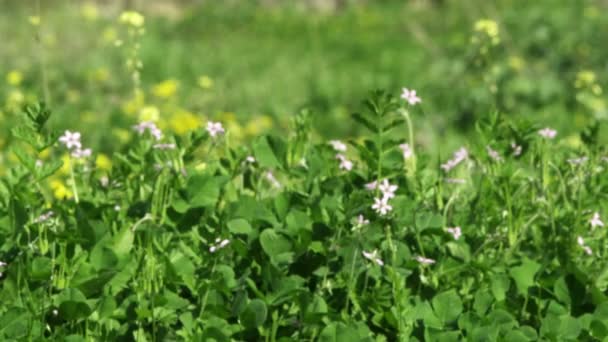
(524, 275)
(239, 226)
(500, 286)
(254, 314)
(340, 332)
(264, 153)
(447, 306)
(40, 268)
(73, 305)
(123, 242)
(276, 246)
(562, 293)
(203, 190)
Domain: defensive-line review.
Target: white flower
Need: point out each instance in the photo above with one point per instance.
(455, 231)
(44, 217)
(81, 153)
(150, 127)
(250, 159)
(410, 96)
(373, 256)
(516, 149)
(70, 139)
(547, 133)
(270, 177)
(455, 180)
(387, 189)
(381, 206)
(407, 151)
(578, 161)
(2, 264)
(585, 248)
(338, 145)
(460, 155)
(424, 261)
(214, 128)
(345, 164)
(362, 221)
(494, 154)
(595, 221)
(371, 186)
(219, 244)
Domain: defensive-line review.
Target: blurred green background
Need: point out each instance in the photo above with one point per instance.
(253, 64)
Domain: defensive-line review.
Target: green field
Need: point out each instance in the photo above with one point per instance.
(256, 171)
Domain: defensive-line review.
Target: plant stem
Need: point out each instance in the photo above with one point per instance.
(74, 188)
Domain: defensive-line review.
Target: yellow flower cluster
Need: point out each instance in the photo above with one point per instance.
(487, 28)
(132, 18)
(165, 89)
(586, 79)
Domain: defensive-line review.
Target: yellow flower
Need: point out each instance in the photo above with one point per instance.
(34, 20)
(205, 82)
(258, 125)
(44, 154)
(89, 11)
(14, 78)
(133, 105)
(165, 89)
(60, 191)
(574, 141)
(183, 121)
(235, 130)
(489, 28)
(14, 99)
(103, 162)
(65, 167)
(100, 75)
(109, 35)
(122, 134)
(149, 113)
(132, 18)
(585, 78)
(516, 63)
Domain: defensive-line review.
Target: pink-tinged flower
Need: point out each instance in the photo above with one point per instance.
(459, 156)
(595, 221)
(387, 189)
(578, 161)
(362, 221)
(373, 256)
(70, 139)
(338, 145)
(547, 133)
(345, 164)
(494, 154)
(164, 146)
(149, 126)
(270, 177)
(250, 159)
(215, 128)
(410, 96)
(371, 186)
(424, 261)
(81, 153)
(44, 217)
(455, 231)
(381, 206)
(219, 244)
(407, 151)
(516, 149)
(582, 244)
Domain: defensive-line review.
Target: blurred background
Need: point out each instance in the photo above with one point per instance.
(253, 64)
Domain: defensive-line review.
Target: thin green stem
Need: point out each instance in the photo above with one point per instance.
(74, 188)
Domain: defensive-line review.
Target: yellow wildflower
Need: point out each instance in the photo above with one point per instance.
(65, 167)
(103, 162)
(585, 78)
(34, 20)
(235, 130)
(122, 134)
(132, 18)
(183, 121)
(258, 125)
(133, 105)
(60, 191)
(109, 35)
(165, 89)
(100, 75)
(149, 113)
(89, 11)
(44, 154)
(14, 99)
(489, 28)
(205, 82)
(14, 78)
(516, 63)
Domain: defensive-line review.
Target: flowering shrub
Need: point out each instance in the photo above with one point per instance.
(192, 237)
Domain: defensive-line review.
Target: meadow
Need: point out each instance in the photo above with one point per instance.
(278, 171)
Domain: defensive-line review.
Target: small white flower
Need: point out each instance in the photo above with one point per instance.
(494, 154)
(595, 221)
(387, 189)
(455, 231)
(407, 151)
(44, 217)
(270, 177)
(424, 261)
(81, 153)
(578, 161)
(70, 139)
(3, 264)
(345, 164)
(117, 208)
(215, 128)
(373, 256)
(455, 180)
(516, 149)
(338, 145)
(250, 159)
(410, 96)
(459, 156)
(362, 221)
(55, 312)
(371, 186)
(547, 133)
(381, 206)
(219, 244)
(39, 163)
(104, 181)
(585, 248)
(150, 127)
(303, 163)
